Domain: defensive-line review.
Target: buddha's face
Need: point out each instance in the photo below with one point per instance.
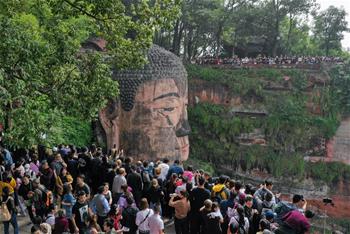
(157, 126)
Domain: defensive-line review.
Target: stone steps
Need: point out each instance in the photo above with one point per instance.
(342, 142)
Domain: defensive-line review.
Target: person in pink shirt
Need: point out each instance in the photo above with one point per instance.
(189, 174)
(296, 221)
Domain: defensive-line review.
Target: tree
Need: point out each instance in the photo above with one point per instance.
(329, 28)
(45, 75)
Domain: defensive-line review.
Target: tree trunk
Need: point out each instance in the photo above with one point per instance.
(190, 44)
(176, 40)
(289, 32)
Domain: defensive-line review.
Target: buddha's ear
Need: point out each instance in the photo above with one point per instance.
(109, 115)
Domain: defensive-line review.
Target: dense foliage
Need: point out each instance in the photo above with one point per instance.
(44, 75)
(290, 129)
(251, 27)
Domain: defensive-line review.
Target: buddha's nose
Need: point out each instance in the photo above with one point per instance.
(184, 129)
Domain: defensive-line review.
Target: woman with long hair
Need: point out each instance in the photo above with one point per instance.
(10, 203)
(239, 222)
(155, 194)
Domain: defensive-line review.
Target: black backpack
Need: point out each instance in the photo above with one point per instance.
(129, 218)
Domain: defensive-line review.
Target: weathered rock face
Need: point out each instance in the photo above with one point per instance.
(149, 120)
(202, 91)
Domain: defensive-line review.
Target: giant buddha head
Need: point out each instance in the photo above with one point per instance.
(149, 120)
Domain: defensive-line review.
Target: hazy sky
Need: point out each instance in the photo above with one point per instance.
(346, 4)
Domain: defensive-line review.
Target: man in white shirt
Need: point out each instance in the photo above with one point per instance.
(143, 216)
(156, 223)
(164, 168)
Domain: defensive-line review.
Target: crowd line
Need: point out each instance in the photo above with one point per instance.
(264, 60)
(82, 190)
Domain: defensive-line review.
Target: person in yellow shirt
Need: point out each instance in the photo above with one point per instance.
(7, 181)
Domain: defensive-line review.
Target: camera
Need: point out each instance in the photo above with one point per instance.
(327, 200)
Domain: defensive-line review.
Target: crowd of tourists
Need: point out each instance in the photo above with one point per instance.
(264, 60)
(82, 190)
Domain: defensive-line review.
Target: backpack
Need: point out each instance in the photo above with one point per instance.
(129, 218)
(146, 178)
(241, 229)
(282, 209)
(218, 196)
(46, 197)
(5, 214)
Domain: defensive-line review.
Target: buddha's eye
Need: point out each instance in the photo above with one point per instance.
(170, 109)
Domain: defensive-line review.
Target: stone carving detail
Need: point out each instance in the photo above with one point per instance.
(150, 118)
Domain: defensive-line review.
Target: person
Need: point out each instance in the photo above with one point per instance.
(58, 164)
(264, 227)
(261, 192)
(219, 191)
(189, 174)
(164, 168)
(134, 180)
(63, 178)
(156, 224)
(129, 217)
(50, 218)
(118, 181)
(295, 222)
(122, 203)
(100, 206)
(239, 222)
(146, 176)
(155, 194)
(283, 207)
(45, 228)
(26, 191)
(68, 201)
(47, 177)
(115, 215)
(107, 193)
(10, 203)
(175, 168)
(61, 223)
(197, 197)
(92, 225)
(204, 211)
(7, 182)
(182, 207)
(252, 214)
(80, 213)
(40, 198)
(82, 186)
(142, 217)
(108, 226)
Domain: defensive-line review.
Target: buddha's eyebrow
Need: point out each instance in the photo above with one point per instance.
(167, 95)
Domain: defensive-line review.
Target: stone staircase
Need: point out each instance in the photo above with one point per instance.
(342, 142)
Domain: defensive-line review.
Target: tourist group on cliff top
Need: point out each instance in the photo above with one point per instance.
(82, 190)
(264, 60)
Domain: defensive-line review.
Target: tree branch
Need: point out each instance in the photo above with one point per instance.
(82, 10)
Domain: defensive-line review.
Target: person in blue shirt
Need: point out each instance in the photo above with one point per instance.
(7, 156)
(100, 206)
(68, 200)
(175, 168)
